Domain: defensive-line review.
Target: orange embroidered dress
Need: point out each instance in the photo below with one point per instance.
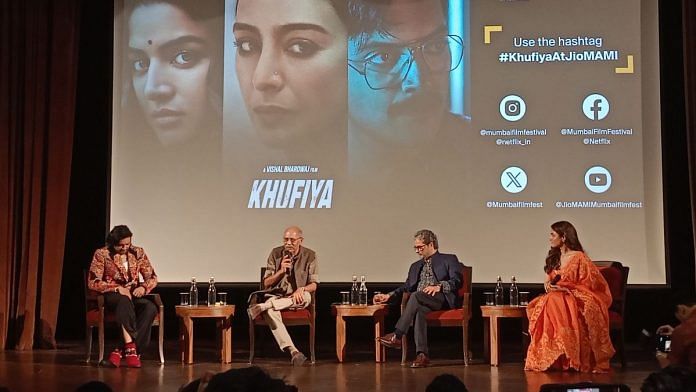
(571, 330)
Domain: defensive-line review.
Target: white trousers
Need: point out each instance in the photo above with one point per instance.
(275, 320)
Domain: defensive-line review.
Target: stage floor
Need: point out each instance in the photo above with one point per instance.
(64, 369)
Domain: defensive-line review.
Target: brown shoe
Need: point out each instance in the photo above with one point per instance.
(421, 361)
(390, 340)
(298, 359)
(254, 311)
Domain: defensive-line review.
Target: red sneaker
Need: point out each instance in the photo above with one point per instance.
(115, 358)
(132, 358)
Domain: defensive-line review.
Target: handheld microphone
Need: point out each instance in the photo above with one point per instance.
(287, 253)
(555, 279)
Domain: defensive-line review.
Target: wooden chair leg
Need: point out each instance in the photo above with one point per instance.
(160, 338)
(404, 349)
(101, 343)
(311, 342)
(88, 342)
(621, 349)
(465, 341)
(251, 341)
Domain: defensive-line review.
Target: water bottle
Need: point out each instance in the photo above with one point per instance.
(499, 297)
(193, 292)
(354, 293)
(212, 293)
(363, 291)
(514, 293)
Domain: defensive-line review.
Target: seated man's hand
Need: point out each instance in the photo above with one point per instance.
(432, 290)
(298, 296)
(380, 298)
(286, 264)
(139, 292)
(665, 330)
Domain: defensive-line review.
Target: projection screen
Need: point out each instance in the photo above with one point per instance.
(363, 121)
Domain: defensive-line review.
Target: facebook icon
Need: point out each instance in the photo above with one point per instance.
(595, 107)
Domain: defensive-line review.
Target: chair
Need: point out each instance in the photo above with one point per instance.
(97, 316)
(616, 276)
(458, 317)
(291, 317)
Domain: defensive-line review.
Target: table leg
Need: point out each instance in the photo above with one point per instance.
(219, 340)
(340, 337)
(495, 336)
(225, 328)
(186, 339)
(525, 336)
(486, 339)
(380, 354)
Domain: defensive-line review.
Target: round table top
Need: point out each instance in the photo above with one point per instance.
(503, 311)
(204, 310)
(358, 310)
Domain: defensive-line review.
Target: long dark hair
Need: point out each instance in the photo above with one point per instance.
(566, 231)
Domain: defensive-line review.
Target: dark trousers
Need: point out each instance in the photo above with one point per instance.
(136, 316)
(418, 306)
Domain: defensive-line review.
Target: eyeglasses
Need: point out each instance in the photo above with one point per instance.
(419, 248)
(388, 65)
(292, 240)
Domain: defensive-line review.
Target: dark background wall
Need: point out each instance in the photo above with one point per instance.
(646, 306)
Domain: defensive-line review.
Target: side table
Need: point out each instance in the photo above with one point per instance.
(223, 315)
(377, 312)
(491, 333)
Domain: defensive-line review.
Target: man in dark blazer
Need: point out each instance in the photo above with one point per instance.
(433, 282)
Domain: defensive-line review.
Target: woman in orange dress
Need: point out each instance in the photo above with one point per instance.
(569, 325)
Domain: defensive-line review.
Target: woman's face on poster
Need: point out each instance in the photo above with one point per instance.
(291, 65)
(169, 55)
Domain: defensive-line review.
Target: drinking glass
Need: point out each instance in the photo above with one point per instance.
(345, 297)
(490, 298)
(524, 298)
(222, 298)
(185, 299)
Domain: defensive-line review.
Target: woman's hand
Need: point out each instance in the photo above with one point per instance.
(139, 291)
(552, 287)
(123, 291)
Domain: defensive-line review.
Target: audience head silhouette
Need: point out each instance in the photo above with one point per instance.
(250, 379)
(446, 383)
(670, 379)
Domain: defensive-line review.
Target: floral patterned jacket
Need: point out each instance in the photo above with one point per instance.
(107, 271)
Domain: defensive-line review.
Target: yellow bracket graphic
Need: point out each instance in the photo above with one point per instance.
(628, 69)
(487, 30)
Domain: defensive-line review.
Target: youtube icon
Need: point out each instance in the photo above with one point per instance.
(597, 179)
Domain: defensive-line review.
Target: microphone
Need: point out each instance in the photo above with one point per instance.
(555, 279)
(287, 253)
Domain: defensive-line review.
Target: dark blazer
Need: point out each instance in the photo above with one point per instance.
(446, 267)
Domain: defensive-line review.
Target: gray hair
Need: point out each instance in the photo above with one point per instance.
(427, 237)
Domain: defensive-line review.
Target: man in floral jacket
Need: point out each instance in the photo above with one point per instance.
(115, 272)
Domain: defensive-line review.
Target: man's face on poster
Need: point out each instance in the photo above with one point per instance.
(398, 80)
